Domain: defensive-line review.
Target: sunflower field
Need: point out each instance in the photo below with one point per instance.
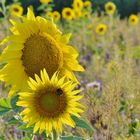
(69, 70)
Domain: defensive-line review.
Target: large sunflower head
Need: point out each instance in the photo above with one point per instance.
(50, 103)
(101, 29)
(68, 13)
(16, 10)
(36, 43)
(110, 8)
(133, 19)
(78, 4)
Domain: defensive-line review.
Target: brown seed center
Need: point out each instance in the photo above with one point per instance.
(50, 102)
(16, 9)
(68, 13)
(41, 51)
(101, 29)
(110, 7)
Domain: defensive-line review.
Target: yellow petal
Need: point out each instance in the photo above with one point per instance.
(65, 38)
(30, 15)
(45, 75)
(48, 127)
(67, 119)
(37, 125)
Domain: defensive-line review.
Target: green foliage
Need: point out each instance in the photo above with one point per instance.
(82, 123)
(2, 138)
(127, 7)
(124, 7)
(133, 127)
(26, 138)
(70, 138)
(14, 121)
(123, 106)
(136, 52)
(60, 4)
(5, 105)
(13, 104)
(23, 127)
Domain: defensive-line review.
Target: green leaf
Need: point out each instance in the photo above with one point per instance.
(5, 102)
(123, 106)
(41, 7)
(136, 52)
(82, 123)
(14, 106)
(2, 138)
(1, 10)
(70, 138)
(14, 121)
(4, 105)
(26, 129)
(26, 138)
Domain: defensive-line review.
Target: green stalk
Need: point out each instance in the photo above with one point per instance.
(54, 135)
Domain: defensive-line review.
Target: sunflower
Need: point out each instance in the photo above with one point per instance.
(133, 19)
(50, 103)
(87, 4)
(101, 29)
(78, 4)
(110, 8)
(77, 13)
(56, 16)
(45, 1)
(68, 13)
(86, 14)
(16, 10)
(49, 14)
(36, 43)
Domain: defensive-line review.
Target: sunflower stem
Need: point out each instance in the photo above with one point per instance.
(54, 135)
(33, 137)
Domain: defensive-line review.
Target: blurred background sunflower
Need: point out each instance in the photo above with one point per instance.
(16, 10)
